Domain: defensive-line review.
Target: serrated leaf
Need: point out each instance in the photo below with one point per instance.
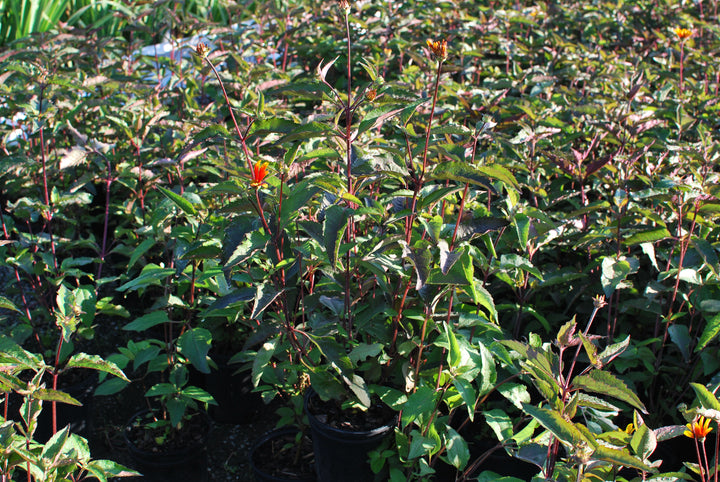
(197, 393)
(565, 431)
(50, 395)
(418, 404)
(95, 362)
(468, 395)
(147, 321)
(500, 423)
(264, 295)
(614, 271)
(620, 458)
(457, 451)
(612, 351)
(461, 172)
(195, 344)
(261, 360)
(336, 219)
(707, 253)
(599, 381)
(447, 257)
(8, 305)
(647, 236)
(179, 201)
(151, 274)
(706, 397)
(680, 335)
(712, 328)
(643, 442)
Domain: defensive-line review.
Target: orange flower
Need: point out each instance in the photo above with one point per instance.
(683, 33)
(259, 173)
(344, 5)
(438, 48)
(698, 429)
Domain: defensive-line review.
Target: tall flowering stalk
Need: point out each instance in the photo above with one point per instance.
(698, 430)
(682, 34)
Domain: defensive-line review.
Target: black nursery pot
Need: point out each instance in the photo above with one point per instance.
(266, 452)
(236, 402)
(188, 462)
(342, 455)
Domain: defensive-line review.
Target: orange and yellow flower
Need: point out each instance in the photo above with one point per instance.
(438, 48)
(259, 173)
(698, 429)
(682, 33)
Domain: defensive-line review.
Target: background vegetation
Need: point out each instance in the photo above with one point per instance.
(576, 143)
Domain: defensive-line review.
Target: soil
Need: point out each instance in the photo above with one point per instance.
(272, 455)
(228, 446)
(353, 420)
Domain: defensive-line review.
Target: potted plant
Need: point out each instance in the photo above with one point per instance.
(170, 433)
(360, 260)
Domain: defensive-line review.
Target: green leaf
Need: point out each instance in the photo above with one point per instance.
(680, 335)
(147, 321)
(599, 381)
(461, 172)
(250, 243)
(198, 394)
(620, 458)
(49, 395)
(565, 431)
(112, 469)
(614, 272)
(8, 305)
(160, 389)
(500, 423)
(612, 351)
(139, 251)
(643, 441)
(95, 362)
(468, 395)
(363, 351)
(264, 295)
(54, 446)
(647, 236)
(262, 359)
(195, 344)
(522, 228)
(454, 354)
(458, 453)
(483, 297)
(706, 398)
(707, 253)
(336, 218)
(712, 328)
(151, 274)
(179, 201)
(419, 404)
(110, 387)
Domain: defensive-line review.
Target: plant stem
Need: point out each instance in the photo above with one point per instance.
(232, 116)
(717, 448)
(700, 465)
(103, 249)
(348, 153)
(419, 178)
